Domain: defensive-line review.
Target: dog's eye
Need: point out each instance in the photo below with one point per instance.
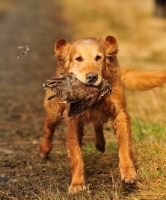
(98, 58)
(79, 59)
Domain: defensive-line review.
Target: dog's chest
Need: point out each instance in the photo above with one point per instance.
(102, 112)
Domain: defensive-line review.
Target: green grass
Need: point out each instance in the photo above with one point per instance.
(149, 150)
(144, 131)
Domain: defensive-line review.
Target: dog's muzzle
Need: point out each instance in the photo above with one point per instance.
(91, 78)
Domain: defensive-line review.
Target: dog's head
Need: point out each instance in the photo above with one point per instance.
(86, 58)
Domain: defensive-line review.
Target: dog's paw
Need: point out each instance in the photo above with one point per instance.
(45, 148)
(100, 147)
(100, 143)
(74, 188)
(128, 175)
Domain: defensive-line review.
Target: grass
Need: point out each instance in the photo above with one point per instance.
(150, 148)
(142, 44)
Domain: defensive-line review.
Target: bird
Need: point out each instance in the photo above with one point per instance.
(80, 96)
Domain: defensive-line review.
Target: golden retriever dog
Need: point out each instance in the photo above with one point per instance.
(90, 60)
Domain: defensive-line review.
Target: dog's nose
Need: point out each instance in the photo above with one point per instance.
(91, 78)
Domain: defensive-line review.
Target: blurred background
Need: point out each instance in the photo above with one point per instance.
(139, 27)
(28, 31)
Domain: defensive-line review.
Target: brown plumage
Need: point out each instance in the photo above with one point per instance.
(80, 96)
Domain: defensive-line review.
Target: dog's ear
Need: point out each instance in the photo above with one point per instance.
(111, 45)
(111, 48)
(59, 44)
(111, 40)
(61, 49)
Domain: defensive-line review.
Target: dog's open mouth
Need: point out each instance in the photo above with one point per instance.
(81, 97)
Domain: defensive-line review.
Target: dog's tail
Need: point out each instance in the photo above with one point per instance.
(133, 79)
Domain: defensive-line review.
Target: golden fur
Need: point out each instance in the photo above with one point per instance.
(91, 60)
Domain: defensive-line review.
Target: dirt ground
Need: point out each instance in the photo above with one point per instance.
(36, 24)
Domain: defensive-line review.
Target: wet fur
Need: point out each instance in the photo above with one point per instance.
(112, 107)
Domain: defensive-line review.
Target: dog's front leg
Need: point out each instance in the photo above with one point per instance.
(49, 127)
(74, 151)
(121, 126)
